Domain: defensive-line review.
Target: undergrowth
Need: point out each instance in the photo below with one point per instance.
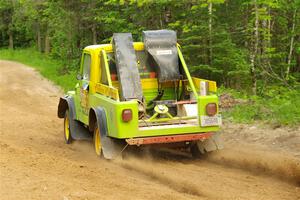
(277, 106)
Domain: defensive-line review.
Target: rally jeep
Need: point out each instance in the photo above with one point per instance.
(140, 93)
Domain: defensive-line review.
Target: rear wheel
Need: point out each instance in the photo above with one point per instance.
(97, 141)
(196, 153)
(67, 132)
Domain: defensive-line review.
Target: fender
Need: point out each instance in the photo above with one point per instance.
(66, 102)
(111, 147)
(78, 132)
(100, 119)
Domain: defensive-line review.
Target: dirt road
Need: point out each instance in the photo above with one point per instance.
(36, 164)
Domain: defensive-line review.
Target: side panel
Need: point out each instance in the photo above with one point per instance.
(76, 98)
(116, 127)
(202, 102)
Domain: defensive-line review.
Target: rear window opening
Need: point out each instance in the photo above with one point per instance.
(146, 69)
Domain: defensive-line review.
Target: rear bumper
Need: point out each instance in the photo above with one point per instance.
(171, 130)
(168, 139)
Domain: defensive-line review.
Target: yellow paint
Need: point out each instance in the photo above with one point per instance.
(186, 70)
(107, 91)
(212, 85)
(67, 128)
(97, 141)
(106, 67)
(138, 46)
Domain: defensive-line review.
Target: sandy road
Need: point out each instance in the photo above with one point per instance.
(36, 164)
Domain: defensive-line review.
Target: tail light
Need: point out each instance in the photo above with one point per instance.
(152, 74)
(211, 109)
(127, 115)
(113, 77)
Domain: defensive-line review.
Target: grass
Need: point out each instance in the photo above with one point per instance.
(48, 67)
(278, 106)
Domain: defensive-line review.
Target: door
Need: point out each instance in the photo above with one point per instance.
(84, 87)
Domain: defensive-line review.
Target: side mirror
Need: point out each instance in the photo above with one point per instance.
(79, 77)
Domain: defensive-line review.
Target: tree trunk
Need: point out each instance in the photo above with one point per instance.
(39, 38)
(253, 55)
(10, 40)
(266, 42)
(160, 21)
(246, 21)
(291, 47)
(253, 73)
(297, 63)
(94, 32)
(47, 44)
(210, 32)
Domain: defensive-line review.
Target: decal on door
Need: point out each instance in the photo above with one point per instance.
(84, 100)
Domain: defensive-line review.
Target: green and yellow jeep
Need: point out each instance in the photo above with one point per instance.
(140, 93)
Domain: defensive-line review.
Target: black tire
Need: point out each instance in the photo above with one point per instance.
(196, 153)
(67, 130)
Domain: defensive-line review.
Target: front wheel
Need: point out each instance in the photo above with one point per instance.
(67, 132)
(97, 141)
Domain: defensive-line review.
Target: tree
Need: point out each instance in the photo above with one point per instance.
(243, 43)
(7, 12)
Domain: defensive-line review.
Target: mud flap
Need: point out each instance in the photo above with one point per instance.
(213, 143)
(78, 131)
(110, 147)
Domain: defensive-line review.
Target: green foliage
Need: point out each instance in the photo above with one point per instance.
(48, 67)
(229, 63)
(278, 107)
